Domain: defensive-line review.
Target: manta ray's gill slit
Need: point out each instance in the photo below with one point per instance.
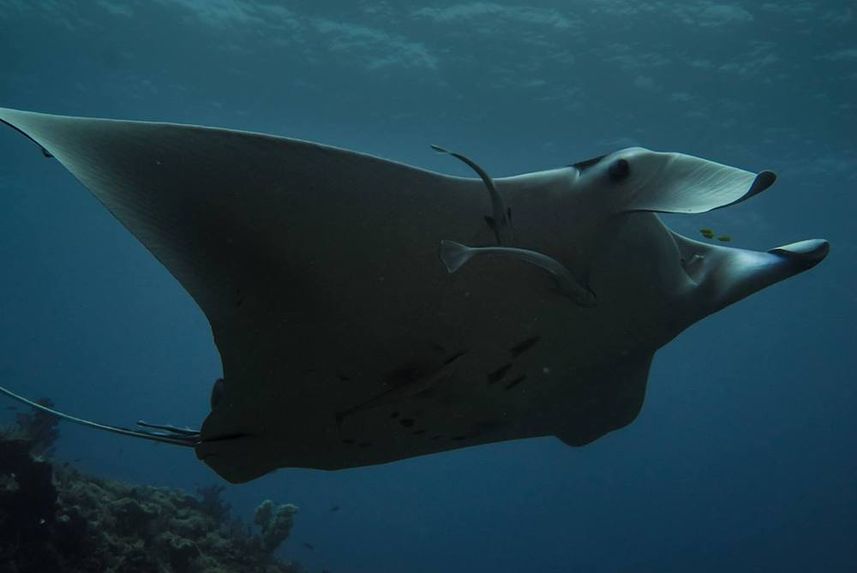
(407, 422)
(516, 381)
(425, 394)
(524, 345)
(454, 357)
(497, 375)
(394, 414)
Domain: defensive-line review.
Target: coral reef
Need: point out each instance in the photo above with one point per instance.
(211, 501)
(55, 518)
(275, 523)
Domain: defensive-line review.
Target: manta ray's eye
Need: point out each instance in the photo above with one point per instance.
(619, 170)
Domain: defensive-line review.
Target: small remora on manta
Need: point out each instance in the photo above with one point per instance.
(346, 340)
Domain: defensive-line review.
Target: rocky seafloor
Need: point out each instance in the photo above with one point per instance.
(54, 518)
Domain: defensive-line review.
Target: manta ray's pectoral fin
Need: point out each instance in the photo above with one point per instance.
(42, 148)
(455, 255)
(153, 432)
(500, 221)
(611, 404)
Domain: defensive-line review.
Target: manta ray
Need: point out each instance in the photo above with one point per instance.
(367, 311)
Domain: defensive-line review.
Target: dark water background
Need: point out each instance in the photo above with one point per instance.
(743, 458)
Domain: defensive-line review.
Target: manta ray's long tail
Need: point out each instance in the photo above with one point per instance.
(167, 434)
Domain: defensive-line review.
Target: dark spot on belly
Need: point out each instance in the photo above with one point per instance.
(364, 444)
(394, 415)
(404, 376)
(348, 441)
(498, 374)
(419, 432)
(406, 422)
(343, 377)
(516, 381)
(436, 437)
(524, 345)
(459, 438)
(454, 357)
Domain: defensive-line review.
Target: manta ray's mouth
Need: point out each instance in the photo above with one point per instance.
(729, 274)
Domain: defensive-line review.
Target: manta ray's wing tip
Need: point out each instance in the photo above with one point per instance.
(762, 182)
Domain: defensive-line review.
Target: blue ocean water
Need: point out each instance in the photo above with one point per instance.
(742, 458)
